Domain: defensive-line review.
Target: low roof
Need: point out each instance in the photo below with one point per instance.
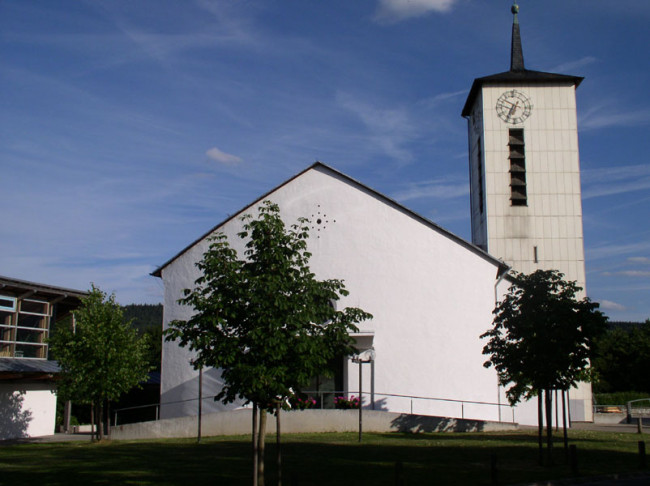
(16, 287)
(503, 267)
(66, 300)
(24, 369)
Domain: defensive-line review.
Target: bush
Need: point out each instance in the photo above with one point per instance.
(618, 398)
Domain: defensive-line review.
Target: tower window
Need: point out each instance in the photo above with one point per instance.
(518, 195)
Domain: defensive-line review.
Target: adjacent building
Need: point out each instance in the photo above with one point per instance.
(28, 313)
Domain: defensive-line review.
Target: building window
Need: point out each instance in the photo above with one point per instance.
(518, 195)
(24, 328)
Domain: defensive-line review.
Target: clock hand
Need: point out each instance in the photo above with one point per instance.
(513, 109)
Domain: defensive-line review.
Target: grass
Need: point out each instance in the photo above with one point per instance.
(316, 459)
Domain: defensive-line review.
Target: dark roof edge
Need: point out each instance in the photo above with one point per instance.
(503, 267)
(517, 77)
(5, 281)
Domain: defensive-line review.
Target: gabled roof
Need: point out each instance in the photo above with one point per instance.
(503, 267)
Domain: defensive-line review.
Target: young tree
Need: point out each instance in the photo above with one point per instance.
(265, 320)
(542, 338)
(100, 357)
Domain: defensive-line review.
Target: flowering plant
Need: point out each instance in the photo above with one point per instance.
(298, 403)
(346, 403)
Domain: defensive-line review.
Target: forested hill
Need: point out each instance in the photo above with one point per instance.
(147, 320)
(144, 315)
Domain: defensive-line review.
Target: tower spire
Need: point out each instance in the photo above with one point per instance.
(516, 52)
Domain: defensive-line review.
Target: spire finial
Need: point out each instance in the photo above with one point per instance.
(516, 52)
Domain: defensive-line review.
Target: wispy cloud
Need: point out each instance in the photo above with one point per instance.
(615, 180)
(643, 260)
(613, 250)
(388, 128)
(390, 11)
(222, 157)
(441, 188)
(599, 117)
(572, 66)
(635, 273)
(442, 97)
(609, 305)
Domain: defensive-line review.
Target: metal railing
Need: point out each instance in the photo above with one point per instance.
(638, 409)
(410, 404)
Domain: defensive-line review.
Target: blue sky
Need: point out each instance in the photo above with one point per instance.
(128, 129)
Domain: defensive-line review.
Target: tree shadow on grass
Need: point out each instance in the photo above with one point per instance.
(422, 423)
(314, 460)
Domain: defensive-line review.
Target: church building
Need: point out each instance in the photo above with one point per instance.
(431, 293)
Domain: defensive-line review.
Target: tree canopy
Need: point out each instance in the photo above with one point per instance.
(263, 318)
(542, 336)
(101, 356)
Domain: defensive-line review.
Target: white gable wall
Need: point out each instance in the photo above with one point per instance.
(431, 297)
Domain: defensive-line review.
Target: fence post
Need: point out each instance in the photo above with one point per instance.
(115, 419)
(642, 461)
(494, 473)
(360, 402)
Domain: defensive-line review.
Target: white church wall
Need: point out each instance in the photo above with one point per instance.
(430, 295)
(26, 410)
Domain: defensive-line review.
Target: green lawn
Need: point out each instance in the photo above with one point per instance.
(315, 459)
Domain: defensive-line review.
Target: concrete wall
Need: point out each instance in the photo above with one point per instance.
(26, 410)
(431, 296)
(239, 422)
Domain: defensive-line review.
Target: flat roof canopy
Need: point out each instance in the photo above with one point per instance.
(66, 299)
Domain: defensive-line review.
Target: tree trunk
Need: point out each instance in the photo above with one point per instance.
(566, 438)
(100, 419)
(108, 419)
(254, 444)
(540, 428)
(261, 437)
(549, 426)
(277, 436)
(93, 431)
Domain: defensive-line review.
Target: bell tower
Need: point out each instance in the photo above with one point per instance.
(525, 173)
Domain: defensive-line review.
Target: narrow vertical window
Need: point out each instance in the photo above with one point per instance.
(518, 195)
(479, 168)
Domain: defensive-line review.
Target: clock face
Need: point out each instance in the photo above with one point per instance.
(513, 107)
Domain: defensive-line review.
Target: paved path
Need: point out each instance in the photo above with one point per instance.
(82, 437)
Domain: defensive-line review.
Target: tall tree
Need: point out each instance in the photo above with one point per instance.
(542, 338)
(100, 356)
(264, 319)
